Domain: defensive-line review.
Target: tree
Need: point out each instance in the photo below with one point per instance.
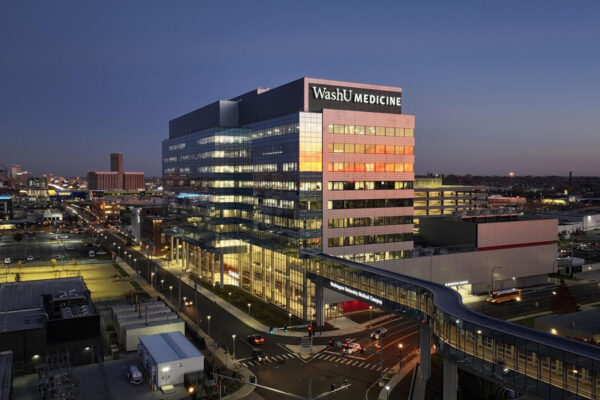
(563, 302)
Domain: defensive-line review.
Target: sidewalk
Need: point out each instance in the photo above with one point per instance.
(218, 353)
(256, 325)
(398, 376)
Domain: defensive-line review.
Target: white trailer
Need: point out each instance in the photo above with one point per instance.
(167, 357)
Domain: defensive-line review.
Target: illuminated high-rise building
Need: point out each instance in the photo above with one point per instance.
(310, 164)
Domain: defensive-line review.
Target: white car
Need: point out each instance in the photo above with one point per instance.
(134, 375)
(29, 258)
(378, 333)
(351, 348)
(7, 260)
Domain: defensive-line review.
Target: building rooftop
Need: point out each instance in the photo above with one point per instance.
(28, 305)
(28, 295)
(172, 346)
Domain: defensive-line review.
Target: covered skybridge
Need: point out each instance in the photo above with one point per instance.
(523, 359)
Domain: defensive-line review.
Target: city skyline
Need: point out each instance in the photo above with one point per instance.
(494, 87)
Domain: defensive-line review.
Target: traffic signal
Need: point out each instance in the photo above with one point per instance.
(330, 342)
(271, 330)
(332, 387)
(361, 349)
(309, 330)
(285, 329)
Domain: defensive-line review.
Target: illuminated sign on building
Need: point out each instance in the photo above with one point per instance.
(348, 98)
(356, 293)
(456, 283)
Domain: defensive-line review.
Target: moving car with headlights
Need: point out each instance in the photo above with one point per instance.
(378, 333)
(258, 355)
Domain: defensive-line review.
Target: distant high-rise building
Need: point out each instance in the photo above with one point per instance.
(116, 178)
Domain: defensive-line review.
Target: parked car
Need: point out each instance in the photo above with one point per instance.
(134, 375)
(258, 355)
(92, 253)
(29, 258)
(378, 333)
(351, 348)
(7, 260)
(256, 339)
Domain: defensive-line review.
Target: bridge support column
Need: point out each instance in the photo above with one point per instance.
(177, 250)
(425, 350)
(450, 380)
(319, 306)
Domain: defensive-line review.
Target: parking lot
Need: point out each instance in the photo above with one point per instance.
(43, 246)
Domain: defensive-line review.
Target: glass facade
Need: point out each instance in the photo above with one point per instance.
(245, 200)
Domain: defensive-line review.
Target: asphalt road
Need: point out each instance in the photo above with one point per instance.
(537, 300)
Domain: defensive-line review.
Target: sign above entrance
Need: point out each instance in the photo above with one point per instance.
(356, 99)
(356, 293)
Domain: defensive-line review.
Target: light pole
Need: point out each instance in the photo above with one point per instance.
(370, 312)
(162, 285)
(229, 297)
(249, 309)
(233, 340)
(387, 392)
(171, 290)
(400, 345)
(208, 317)
(512, 175)
(151, 278)
(290, 323)
(492, 286)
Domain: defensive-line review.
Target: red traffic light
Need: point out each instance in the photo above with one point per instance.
(309, 328)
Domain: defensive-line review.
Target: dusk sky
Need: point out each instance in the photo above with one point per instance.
(495, 86)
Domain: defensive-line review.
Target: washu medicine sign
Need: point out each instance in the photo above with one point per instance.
(348, 98)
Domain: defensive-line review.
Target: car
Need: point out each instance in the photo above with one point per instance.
(187, 302)
(29, 258)
(7, 260)
(258, 355)
(100, 252)
(92, 253)
(58, 257)
(351, 348)
(378, 333)
(134, 375)
(52, 237)
(256, 339)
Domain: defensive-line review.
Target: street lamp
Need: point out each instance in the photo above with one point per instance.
(233, 340)
(370, 312)
(208, 317)
(162, 285)
(249, 309)
(400, 346)
(492, 286)
(151, 278)
(290, 323)
(230, 297)
(387, 391)
(171, 294)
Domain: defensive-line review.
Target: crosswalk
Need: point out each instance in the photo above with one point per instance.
(347, 361)
(275, 358)
(333, 358)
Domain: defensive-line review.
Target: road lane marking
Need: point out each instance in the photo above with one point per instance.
(373, 366)
(386, 370)
(361, 364)
(354, 363)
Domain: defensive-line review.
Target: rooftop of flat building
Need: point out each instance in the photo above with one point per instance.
(27, 305)
(171, 346)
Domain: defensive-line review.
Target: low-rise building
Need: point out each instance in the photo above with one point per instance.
(168, 357)
(48, 315)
